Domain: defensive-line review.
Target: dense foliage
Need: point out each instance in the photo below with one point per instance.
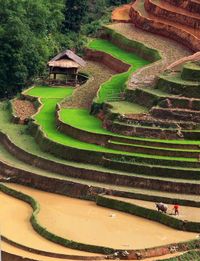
(28, 31)
(32, 31)
(75, 12)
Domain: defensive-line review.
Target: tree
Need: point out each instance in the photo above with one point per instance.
(27, 32)
(75, 12)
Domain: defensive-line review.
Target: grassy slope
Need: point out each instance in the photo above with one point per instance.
(50, 92)
(46, 119)
(81, 119)
(117, 83)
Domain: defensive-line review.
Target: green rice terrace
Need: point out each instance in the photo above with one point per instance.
(101, 160)
(117, 83)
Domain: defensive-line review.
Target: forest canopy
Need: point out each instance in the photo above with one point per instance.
(32, 31)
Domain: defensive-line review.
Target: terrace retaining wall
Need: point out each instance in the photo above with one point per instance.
(49, 254)
(181, 18)
(145, 212)
(107, 59)
(140, 131)
(86, 136)
(107, 177)
(159, 217)
(151, 170)
(11, 257)
(103, 140)
(178, 88)
(176, 114)
(128, 45)
(190, 5)
(169, 31)
(60, 186)
(133, 254)
(152, 151)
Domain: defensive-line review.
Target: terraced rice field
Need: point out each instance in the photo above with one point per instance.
(81, 221)
(169, 50)
(17, 252)
(15, 225)
(46, 119)
(117, 83)
(85, 221)
(74, 117)
(186, 213)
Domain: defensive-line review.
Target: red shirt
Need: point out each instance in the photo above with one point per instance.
(176, 207)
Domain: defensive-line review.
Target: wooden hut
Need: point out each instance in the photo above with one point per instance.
(66, 63)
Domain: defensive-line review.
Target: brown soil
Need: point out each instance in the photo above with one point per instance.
(163, 257)
(83, 221)
(25, 254)
(186, 213)
(169, 7)
(121, 13)
(24, 109)
(139, 6)
(175, 9)
(169, 49)
(83, 96)
(15, 225)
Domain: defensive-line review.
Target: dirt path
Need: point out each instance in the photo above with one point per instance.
(186, 213)
(121, 14)
(15, 225)
(169, 49)
(83, 221)
(82, 96)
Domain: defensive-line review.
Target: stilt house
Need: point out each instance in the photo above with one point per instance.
(66, 63)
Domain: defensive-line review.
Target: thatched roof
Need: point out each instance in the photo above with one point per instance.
(67, 59)
(64, 63)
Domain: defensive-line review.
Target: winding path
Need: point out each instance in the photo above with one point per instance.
(83, 96)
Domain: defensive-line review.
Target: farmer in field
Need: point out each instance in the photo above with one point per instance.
(161, 207)
(176, 209)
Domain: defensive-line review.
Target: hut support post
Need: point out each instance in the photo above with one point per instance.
(76, 78)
